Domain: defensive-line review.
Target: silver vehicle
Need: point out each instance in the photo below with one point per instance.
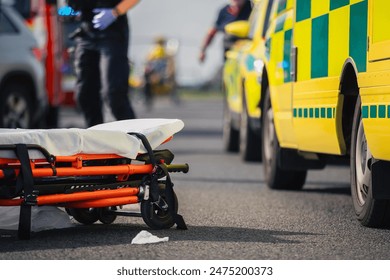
(23, 98)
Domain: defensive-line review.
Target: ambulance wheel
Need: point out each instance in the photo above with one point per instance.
(276, 177)
(86, 216)
(250, 147)
(105, 216)
(156, 218)
(370, 212)
(231, 136)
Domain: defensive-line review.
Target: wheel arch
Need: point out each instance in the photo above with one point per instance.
(264, 86)
(19, 77)
(349, 93)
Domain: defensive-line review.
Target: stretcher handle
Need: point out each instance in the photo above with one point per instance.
(50, 158)
(172, 168)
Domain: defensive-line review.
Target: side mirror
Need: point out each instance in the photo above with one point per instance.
(239, 29)
(231, 55)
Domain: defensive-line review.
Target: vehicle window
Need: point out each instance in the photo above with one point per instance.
(266, 18)
(6, 26)
(282, 5)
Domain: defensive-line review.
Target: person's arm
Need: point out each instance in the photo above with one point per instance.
(211, 34)
(209, 38)
(124, 6)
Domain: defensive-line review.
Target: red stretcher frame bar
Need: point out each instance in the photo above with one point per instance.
(77, 168)
(87, 199)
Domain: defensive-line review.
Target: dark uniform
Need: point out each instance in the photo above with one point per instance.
(101, 65)
(225, 17)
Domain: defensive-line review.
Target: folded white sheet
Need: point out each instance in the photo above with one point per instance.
(42, 218)
(107, 138)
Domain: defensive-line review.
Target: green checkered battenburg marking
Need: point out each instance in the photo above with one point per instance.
(329, 113)
(358, 34)
(376, 111)
(334, 4)
(382, 111)
(373, 113)
(322, 112)
(319, 46)
(315, 113)
(320, 33)
(303, 9)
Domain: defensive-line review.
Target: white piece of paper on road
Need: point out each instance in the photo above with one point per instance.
(42, 218)
(145, 237)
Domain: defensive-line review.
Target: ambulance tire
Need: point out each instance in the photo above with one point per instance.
(250, 146)
(370, 212)
(156, 218)
(86, 216)
(276, 178)
(231, 136)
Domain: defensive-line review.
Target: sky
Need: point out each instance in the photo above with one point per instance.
(184, 20)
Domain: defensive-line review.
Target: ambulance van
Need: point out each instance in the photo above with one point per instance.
(325, 94)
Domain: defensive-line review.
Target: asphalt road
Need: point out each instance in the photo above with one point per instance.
(229, 211)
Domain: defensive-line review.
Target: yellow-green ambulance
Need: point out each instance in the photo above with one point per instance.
(241, 84)
(325, 93)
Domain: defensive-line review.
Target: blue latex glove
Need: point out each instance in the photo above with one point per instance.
(103, 18)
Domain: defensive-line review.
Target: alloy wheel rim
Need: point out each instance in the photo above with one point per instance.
(363, 166)
(243, 131)
(269, 136)
(226, 123)
(16, 113)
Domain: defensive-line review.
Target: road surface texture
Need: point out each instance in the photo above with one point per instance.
(230, 212)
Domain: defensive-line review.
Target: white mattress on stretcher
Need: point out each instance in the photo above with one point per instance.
(107, 138)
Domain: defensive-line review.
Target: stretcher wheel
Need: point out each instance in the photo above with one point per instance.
(86, 216)
(156, 218)
(105, 216)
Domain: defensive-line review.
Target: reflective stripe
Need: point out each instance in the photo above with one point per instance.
(315, 112)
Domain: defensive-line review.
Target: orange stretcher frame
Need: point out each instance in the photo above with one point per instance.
(98, 198)
(123, 182)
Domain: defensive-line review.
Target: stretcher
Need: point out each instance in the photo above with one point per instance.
(92, 172)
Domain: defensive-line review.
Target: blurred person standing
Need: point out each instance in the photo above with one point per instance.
(101, 62)
(234, 11)
(159, 73)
